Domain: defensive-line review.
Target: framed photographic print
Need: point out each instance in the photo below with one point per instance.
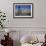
(22, 9)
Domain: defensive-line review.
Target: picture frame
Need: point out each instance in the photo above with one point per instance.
(22, 10)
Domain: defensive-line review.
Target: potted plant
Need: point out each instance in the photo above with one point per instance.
(2, 19)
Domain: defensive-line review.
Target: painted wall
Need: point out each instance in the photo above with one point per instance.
(39, 13)
(25, 25)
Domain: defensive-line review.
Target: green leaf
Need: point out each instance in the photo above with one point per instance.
(4, 16)
(0, 15)
(2, 26)
(4, 13)
(0, 21)
(0, 12)
(3, 19)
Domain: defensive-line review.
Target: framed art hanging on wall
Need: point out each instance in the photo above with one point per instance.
(22, 9)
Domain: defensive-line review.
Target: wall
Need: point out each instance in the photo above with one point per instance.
(39, 13)
(37, 23)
